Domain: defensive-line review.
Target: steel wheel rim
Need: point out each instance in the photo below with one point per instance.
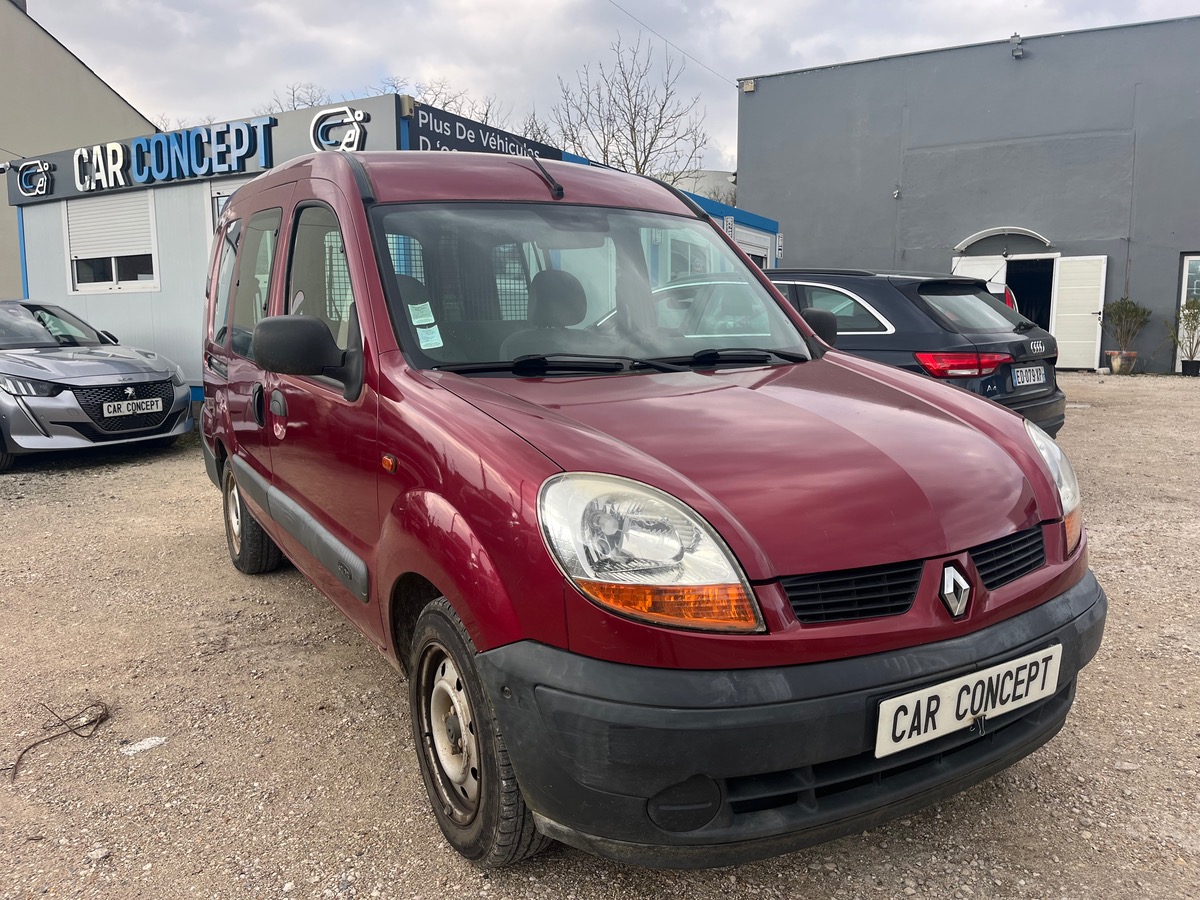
(233, 513)
(451, 742)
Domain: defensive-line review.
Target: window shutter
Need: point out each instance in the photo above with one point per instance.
(118, 225)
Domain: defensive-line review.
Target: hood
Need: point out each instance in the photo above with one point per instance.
(84, 365)
(832, 464)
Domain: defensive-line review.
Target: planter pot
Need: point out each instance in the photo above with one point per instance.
(1191, 367)
(1121, 361)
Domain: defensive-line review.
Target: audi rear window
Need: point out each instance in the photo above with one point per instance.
(968, 309)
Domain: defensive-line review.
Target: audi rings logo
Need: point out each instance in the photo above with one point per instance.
(339, 129)
(1037, 346)
(956, 590)
(34, 178)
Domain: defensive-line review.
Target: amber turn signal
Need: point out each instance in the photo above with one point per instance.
(711, 607)
(1074, 525)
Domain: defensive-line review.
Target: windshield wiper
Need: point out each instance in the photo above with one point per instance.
(744, 356)
(541, 364)
(1024, 326)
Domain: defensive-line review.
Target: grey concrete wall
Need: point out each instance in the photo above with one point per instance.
(50, 101)
(1091, 138)
(169, 319)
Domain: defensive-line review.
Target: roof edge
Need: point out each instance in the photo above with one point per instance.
(999, 42)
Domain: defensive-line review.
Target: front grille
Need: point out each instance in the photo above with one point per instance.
(854, 593)
(96, 436)
(1005, 560)
(92, 401)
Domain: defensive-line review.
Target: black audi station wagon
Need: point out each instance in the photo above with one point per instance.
(947, 327)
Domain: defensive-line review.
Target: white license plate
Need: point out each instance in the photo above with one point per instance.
(919, 716)
(132, 407)
(1028, 375)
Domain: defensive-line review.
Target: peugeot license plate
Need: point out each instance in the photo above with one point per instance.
(919, 716)
(1028, 375)
(132, 407)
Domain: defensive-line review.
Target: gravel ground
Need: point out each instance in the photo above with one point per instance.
(284, 766)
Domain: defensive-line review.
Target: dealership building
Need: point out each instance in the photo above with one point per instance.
(1064, 165)
(119, 232)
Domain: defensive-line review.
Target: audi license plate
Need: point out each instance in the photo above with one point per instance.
(132, 407)
(1028, 375)
(919, 716)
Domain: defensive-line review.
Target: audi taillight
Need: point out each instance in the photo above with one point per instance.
(961, 365)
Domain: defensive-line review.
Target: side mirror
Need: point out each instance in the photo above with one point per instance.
(823, 322)
(303, 345)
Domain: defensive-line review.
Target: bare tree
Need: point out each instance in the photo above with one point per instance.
(631, 115)
(536, 128)
(726, 194)
(164, 122)
(298, 95)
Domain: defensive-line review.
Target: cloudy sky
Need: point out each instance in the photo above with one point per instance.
(222, 58)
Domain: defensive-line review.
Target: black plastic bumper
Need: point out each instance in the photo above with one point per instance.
(689, 769)
(1048, 413)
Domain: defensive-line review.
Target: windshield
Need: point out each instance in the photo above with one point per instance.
(970, 310)
(488, 282)
(25, 326)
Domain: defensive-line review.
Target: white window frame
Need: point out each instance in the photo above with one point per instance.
(113, 287)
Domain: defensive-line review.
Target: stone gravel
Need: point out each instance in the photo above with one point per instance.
(258, 747)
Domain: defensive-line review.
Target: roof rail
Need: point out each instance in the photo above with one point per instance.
(820, 270)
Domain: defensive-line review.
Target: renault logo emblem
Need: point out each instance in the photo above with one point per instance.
(956, 590)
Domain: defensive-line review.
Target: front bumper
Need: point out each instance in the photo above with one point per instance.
(41, 424)
(691, 769)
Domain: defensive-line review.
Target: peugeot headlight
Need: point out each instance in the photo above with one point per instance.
(27, 387)
(177, 378)
(641, 553)
(1064, 480)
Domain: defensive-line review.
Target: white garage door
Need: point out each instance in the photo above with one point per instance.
(1075, 308)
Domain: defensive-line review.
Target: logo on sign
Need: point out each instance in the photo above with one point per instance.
(956, 590)
(339, 129)
(1037, 346)
(34, 179)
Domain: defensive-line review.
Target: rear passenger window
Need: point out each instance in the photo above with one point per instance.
(219, 326)
(852, 316)
(255, 259)
(319, 278)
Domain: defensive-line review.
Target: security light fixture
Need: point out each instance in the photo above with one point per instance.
(1017, 50)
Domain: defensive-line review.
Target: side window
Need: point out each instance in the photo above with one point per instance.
(852, 316)
(219, 326)
(255, 257)
(319, 278)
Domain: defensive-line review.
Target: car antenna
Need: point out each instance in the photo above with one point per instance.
(556, 189)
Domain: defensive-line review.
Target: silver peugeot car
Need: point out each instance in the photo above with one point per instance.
(65, 385)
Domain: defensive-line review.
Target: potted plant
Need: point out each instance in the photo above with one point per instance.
(1124, 320)
(1185, 335)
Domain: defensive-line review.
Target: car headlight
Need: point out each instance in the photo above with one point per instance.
(643, 554)
(177, 378)
(1064, 480)
(27, 387)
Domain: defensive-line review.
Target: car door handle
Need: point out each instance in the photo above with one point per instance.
(278, 404)
(256, 405)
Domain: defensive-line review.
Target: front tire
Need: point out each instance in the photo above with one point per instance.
(251, 550)
(464, 760)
